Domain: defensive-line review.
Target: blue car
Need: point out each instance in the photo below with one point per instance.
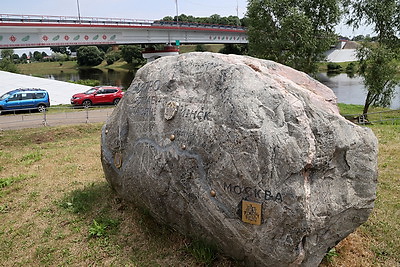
(25, 99)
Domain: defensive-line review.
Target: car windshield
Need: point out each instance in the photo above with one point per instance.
(6, 95)
(90, 91)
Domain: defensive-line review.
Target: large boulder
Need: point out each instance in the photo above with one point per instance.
(246, 153)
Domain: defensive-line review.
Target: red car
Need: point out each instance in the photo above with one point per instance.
(98, 95)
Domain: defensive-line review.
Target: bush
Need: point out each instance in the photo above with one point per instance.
(8, 65)
(112, 57)
(334, 67)
(133, 55)
(87, 82)
(89, 56)
(200, 48)
(351, 68)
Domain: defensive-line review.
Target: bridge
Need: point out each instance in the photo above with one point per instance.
(21, 31)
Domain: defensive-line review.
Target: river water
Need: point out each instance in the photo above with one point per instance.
(349, 90)
(106, 77)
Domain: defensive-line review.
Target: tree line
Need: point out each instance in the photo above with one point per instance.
(213, 19)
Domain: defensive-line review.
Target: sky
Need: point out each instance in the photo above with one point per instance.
(139, 9)
(136, 9)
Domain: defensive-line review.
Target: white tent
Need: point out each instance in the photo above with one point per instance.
(60, 92)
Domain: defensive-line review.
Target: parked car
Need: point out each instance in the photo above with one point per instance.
(98, 95)
(25, 99)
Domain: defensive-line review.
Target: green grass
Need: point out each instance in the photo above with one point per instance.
(204, 252)
(192, 48)
(323, 66)
(375, 114)
(384, 224)
(7, 181)
(39, 69)
(83, 200)
(59, 210)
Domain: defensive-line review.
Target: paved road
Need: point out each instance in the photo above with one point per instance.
(33, 120)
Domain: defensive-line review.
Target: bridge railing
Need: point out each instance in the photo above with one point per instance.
(71, 20)
(7, 18)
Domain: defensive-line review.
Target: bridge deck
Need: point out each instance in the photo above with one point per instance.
(44, 31)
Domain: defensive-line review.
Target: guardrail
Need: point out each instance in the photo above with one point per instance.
(71, 20)
(54, 116)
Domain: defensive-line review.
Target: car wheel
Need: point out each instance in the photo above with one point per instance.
(42, 108)
(87, 103)
(116, 101)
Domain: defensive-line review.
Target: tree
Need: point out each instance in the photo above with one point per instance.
(60, 49)
(200, 48)
(7, 61)
(23, 58)
(292, 32)
(112, 57)
(59, 56)
(37, 56)
(382, 15)
(7, 53)
(132, 54)
(89, 56)
(8, 65)
(378, 66)
(238, 49)
(168, 18)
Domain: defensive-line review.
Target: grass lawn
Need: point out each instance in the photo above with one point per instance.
(56, 209)
(44, 68)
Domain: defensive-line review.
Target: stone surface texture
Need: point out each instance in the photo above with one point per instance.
(196, 134)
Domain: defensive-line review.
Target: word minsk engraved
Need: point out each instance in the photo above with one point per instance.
(251, 212)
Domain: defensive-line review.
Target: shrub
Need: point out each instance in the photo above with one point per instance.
(112, 57)
(334, 67)
(89, 56)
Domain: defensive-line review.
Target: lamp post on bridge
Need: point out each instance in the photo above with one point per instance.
(176, 7)
(79, 12)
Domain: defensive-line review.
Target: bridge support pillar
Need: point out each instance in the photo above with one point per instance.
(151, 54)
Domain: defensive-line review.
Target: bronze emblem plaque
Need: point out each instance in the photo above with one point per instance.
(251, 212)
(118, 160)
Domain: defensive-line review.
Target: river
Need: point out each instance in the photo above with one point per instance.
(349, 90)
(106, 77)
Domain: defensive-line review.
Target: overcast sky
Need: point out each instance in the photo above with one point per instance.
(137, 9)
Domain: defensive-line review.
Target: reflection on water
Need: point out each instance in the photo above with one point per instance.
(106, 77)
(350, 90)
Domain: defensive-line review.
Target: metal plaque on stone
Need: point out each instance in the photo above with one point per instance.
(251, 212)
